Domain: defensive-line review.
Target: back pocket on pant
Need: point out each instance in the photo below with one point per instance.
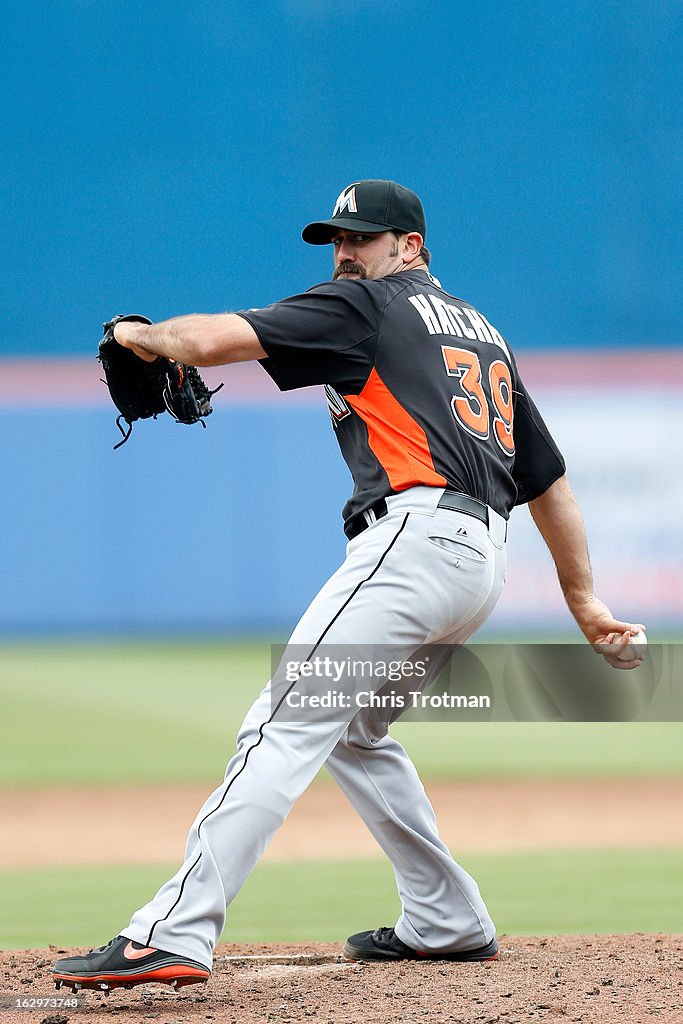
(458, 548)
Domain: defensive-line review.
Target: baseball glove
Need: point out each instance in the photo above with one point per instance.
(185, 394)
(141, 389)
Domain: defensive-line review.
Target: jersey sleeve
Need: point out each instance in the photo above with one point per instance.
(538, 461)
(327, 335)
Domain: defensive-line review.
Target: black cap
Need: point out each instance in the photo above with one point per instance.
(370, 207)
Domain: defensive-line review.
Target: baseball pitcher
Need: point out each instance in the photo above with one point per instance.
(442, 440)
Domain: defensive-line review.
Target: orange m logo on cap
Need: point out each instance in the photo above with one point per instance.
(346, 201)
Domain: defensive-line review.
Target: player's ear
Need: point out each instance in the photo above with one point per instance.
(412, 244)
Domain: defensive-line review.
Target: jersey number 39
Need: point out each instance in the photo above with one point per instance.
(471, 409)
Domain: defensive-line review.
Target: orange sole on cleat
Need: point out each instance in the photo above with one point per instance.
(162, 975)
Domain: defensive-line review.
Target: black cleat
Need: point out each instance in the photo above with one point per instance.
(123, 963)
(383, 944)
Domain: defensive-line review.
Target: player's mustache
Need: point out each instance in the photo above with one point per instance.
(348, 267)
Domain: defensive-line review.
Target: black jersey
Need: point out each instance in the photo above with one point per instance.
(422, 389)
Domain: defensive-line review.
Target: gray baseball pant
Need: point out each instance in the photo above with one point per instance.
(420, 575)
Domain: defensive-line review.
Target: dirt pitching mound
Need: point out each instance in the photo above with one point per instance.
(581, 978)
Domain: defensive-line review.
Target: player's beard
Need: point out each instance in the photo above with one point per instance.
(350, 268)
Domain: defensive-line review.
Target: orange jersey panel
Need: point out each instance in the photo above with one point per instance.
(398, 442)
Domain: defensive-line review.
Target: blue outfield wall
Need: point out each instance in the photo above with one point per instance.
(232, 528)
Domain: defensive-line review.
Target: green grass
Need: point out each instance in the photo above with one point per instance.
(69, 710)
(527, 749)
(528, 894)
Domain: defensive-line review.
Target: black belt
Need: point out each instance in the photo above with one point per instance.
(453, 500)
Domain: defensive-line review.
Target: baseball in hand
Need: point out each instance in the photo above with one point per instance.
(634, 648)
